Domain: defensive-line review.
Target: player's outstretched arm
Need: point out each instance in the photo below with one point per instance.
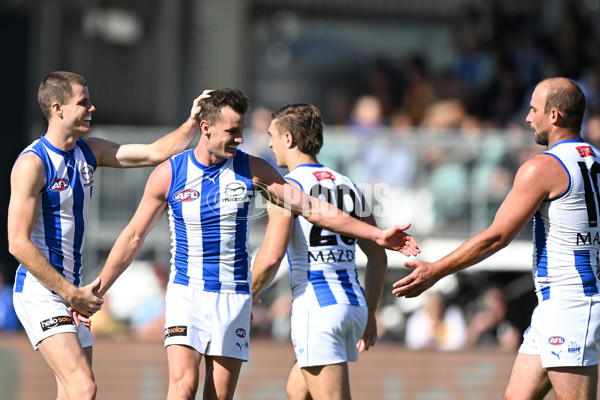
(272, 250)
(320, 213)
(116, 155)
(538, 179)
(131, 239)
(27, 180)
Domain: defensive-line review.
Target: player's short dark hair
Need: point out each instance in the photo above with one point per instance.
(567, 97)
(57, 86)
(304, 122)
(219, 98)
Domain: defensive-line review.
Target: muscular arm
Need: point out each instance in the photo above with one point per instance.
(27, 180)
(274, 188)
(538, 179)
(142, 155)
(131, 239)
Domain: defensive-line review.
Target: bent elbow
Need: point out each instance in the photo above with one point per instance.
(274, 262)
(17, 248)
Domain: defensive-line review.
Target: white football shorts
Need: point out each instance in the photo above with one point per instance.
(564, 332)
(327, 335)
(214, 324)
(47, 314)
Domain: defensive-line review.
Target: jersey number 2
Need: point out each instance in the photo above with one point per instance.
(317, 238)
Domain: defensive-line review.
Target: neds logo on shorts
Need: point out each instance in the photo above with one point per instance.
(175, 331)
(56, 321)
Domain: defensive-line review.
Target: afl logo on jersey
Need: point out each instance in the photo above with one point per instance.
(187, 195)
(556, 340)
(235, 189)
(241, 333)
(59, 184)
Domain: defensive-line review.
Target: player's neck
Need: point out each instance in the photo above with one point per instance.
(60, 139)
(560, 135)
(300, 158)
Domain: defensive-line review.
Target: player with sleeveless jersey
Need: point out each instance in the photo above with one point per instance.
(559, 190)
(207, 191)
(332, 317)
(51, 188)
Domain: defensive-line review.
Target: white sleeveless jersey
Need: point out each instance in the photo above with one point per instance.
(322, 263)
(61, 216)
(566, 230)
(209, 216)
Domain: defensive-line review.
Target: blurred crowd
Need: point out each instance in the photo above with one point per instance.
(499, 58)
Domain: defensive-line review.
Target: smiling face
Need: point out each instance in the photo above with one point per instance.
(225, 135)
(76, 114)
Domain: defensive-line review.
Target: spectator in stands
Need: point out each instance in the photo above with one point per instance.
(436, 326)
(419, 92)
(490, 326)
(592, 130)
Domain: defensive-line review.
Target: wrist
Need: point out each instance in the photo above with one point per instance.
(70, 293)
(192, 123)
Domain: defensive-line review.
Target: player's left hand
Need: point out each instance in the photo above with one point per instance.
(79, 319)
(196, 106)
(370, 335)
(424, 276)
(394, 238)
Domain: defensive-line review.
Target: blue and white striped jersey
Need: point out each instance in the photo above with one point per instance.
(61, 217)
(322, 263)
(210, 210)
(566, 230)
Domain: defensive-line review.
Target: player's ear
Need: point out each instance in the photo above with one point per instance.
(205, 128)
(56, 108)
(289, 140)
(555, 115)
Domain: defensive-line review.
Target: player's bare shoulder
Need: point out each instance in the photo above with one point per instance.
(544, 171)
(28, 168)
